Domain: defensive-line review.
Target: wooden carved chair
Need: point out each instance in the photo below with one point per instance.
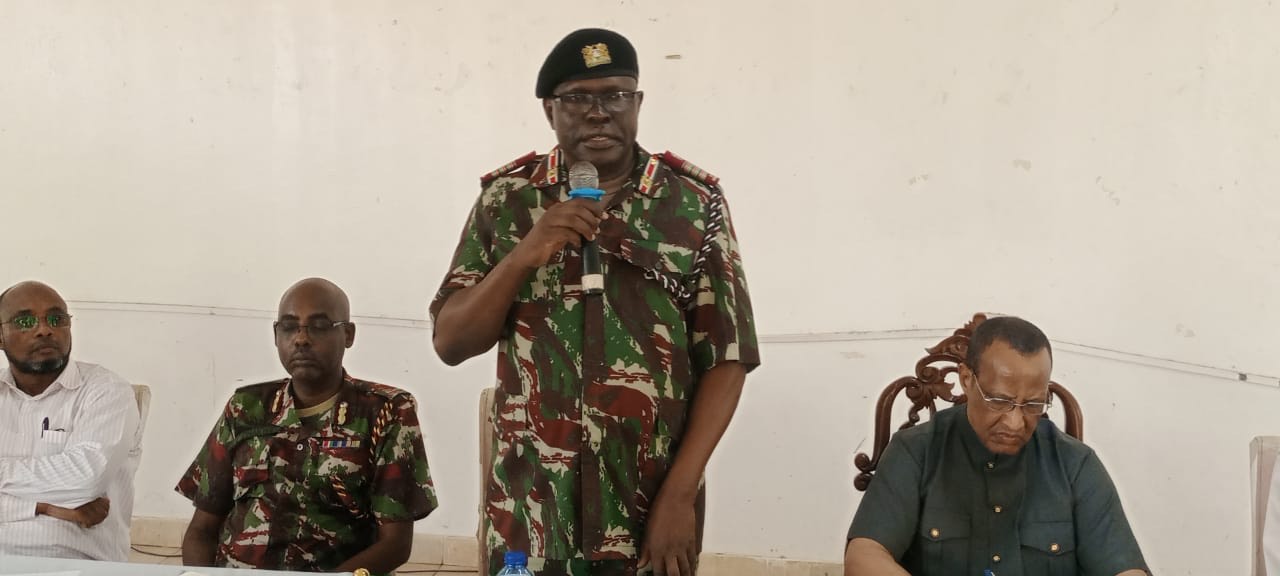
(929, 385)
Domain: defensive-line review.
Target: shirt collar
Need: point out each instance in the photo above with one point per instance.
(6, 376)
(644, 177)
(978, 452)
(286, 414)
(69, 378)
(549, 172)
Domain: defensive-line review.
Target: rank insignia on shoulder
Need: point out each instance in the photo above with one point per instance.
(508, 167)
(688, 169)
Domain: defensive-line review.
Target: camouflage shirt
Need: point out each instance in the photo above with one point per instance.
(309, 493)
(593, 392)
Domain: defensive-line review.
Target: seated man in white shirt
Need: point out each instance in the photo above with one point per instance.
(67, 431)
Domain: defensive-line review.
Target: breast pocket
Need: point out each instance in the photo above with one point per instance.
(945, 539)
(546, 284)
(50, 442)
(249, 483)
(519, 360)
(249, 471)
(343, 456)
(511, 417)
(667, 266)
(344, 466)
(1049, 548)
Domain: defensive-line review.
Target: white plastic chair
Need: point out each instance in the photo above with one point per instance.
(1266, 505)
(142, 395)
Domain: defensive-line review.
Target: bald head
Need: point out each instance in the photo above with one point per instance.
(313, 330)
(24, 291)
(320, 294)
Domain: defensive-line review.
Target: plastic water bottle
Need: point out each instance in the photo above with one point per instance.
(515, 563)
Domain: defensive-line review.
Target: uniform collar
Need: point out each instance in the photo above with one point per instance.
(285, 409)
(644, 179)
(549, 171)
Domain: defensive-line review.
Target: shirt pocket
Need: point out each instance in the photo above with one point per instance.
(512, 462)
(344, 465)
(944, 538)
(546, 284)
(669, 427)
(343, 456)
(526, 327)
(249, 472)
(249, 483)
(670, 258)
(1049, 548)
(50, 442)
(511, 416)
(664, 266)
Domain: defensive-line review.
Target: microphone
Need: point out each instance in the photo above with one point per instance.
(584, 182)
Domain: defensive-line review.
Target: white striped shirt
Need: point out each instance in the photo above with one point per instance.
(90, 450)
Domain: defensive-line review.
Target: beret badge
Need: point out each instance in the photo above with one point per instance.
(596, 55)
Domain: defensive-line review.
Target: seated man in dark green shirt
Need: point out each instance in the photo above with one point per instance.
(990, 487)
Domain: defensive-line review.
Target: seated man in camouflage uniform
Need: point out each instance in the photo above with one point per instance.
(609, 405)
(315, 472)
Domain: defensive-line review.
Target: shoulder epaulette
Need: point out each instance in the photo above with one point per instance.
(270, 393)
(715, 221)
(385, 414)
(689, 169)
(508, 167)
(378, 389)
(261, 388)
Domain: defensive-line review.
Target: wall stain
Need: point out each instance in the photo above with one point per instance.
(1112, 195)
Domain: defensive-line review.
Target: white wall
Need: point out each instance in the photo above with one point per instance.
(1098, 167)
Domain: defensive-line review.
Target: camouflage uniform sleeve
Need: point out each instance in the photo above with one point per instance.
(472, 260)
(722, 326)
(402, 487)
(208, 481)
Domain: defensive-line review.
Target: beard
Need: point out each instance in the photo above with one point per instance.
(32, 368)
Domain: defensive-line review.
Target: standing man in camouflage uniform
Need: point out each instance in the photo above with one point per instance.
(316, 472)
(608, 406)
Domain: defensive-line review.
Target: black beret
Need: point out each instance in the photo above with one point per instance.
(587, 53)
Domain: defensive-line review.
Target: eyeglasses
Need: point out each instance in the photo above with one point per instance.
(582, 102)
(316, 327)
(1002, 406)
(29, 322)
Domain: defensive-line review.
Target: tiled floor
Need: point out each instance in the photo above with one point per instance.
(165, 555)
